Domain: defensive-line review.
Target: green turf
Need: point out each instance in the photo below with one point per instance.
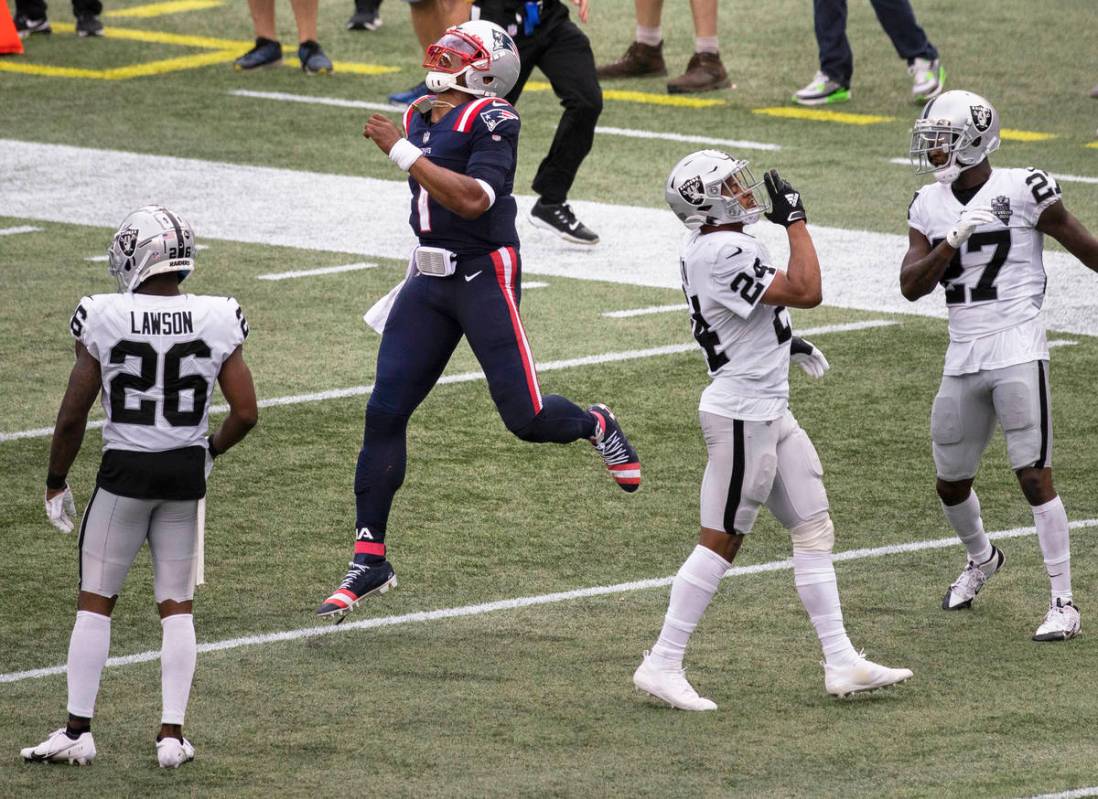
(538, 702)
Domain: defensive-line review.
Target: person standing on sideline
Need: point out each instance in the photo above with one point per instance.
(832, 82)
(154, 354)
(466, 280)
(268, 50)
(30, 18)
(430, 20)
(758, 453)
(367, 16)
(546, 38)
(705, 71)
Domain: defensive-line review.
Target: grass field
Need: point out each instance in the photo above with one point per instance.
(534, 698)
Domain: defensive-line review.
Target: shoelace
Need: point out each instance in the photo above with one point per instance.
(613, 449)
(356, 571)
(820, 79)
(564, 214)
(971, 579)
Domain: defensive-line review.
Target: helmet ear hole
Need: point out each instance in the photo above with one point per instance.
(976, 141)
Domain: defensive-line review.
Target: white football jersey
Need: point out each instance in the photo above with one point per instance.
(996, 282)
(159, 358)
(746, 343)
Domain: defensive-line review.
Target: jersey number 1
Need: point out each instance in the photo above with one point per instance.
(174, 383)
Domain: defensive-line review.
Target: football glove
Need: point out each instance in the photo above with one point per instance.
(209, 458)
(807, 356)
(61, 510)
(785, 201)
(970, 219)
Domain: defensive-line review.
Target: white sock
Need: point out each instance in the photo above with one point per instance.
(88, 647)
(178, 654)
(706, 44)
(695, 584)
(965, 520)
(814, 576)
(650, 36)
(1052, 534)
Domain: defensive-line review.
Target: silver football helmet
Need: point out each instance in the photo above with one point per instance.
(710, 187)
(957, 130)
(150, 241)
(479, 50)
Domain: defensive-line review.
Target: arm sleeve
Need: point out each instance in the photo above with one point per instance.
(916, 218)
(237, 325)
(494, 152)
(740, 277)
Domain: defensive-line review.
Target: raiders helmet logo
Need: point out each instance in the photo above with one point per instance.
(692, 191)
(981, 117)
(1000, 206)
(127, 241)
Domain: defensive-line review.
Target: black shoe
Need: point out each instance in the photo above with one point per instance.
(617, 453)
(266, 53)
(366, 16)
(88, 25)
(313, 60)
(558, 217)
(361, 581)
(25, 26)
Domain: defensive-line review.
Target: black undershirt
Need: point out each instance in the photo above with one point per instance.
(964, 196)
(177, 474)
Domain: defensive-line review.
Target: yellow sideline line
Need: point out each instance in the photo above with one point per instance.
(645, 98)
(1009, 134)
(821, 115)
(1092, 145)
(162, 9)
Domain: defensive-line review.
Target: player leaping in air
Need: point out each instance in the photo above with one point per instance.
(979, 232)
(758, 454)
(466, 281)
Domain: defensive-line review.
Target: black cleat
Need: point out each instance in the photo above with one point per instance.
(266, 53)
(617, 453)
(559, 218)
(366, 16)
(362, 580)
(88, 25)
(25, 26)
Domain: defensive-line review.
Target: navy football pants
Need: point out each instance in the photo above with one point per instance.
(430, 315)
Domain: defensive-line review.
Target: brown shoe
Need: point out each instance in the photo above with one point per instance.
(704, 73)
(640, 60)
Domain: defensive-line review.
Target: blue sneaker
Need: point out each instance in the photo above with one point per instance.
(266, 53)
(407, 97)
(362, 580)
(313, 60)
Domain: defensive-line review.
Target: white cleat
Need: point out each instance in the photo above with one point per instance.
(670, 685)
(1061, 622)
(60, 748)
(972, 579)
(861, 675)
(173, 754)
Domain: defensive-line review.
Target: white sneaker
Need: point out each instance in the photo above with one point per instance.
(670, 685)
(60, 748)
(821, 90)
(173, 754)
(1061, 622)
(972, 579)
(861, 675)
(928, 77)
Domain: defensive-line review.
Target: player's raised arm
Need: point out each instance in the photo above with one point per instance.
(68, 435)
(1058, 222)
(801, 285)
(463, 195)
(924, 266)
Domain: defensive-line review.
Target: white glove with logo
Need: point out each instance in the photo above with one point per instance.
(209, 459)
(970, 219)
(807, 356)
(61, 510)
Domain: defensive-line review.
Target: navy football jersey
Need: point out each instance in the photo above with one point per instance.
(478, 139)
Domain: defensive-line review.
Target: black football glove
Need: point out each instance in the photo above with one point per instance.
(785, 201)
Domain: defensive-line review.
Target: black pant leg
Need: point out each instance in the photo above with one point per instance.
(898, 20)
(568, 62)
(31, 9)
(83, 8)
(836, 57)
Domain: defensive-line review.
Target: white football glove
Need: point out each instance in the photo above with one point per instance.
(808, 356)
(61, 510)
(970, 219)
(209, 460)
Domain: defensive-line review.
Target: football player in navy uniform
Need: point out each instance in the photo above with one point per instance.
(460, 150)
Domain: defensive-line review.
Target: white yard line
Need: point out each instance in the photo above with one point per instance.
(1062, 342)
(1057, 175)
(14, 231)
(314, 100)
(534, 284)
(651, 309)
(465, 377)
(324, 270)
(1077, 793)
(368, 220)
(736, 144)
(523, 602)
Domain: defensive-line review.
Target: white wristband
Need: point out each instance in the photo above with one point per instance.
(488, 190)
(404, 154)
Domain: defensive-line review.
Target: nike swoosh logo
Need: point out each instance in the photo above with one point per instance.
(470, 277)
(737, 252)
